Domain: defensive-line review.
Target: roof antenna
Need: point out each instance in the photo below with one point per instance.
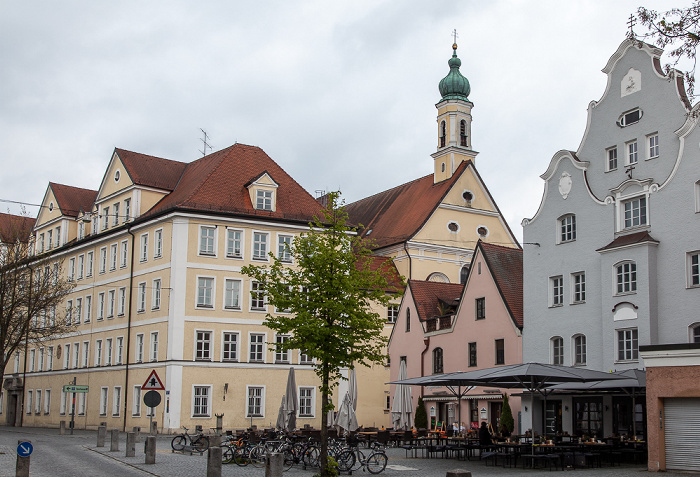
(204, 141)
(631, 23)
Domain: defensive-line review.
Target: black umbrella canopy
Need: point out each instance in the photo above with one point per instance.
(630, 379)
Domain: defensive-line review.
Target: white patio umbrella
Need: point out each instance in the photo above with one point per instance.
(290, 402)
(346, 418)
(402, 408)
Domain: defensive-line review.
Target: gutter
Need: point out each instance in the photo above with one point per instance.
(426, 341)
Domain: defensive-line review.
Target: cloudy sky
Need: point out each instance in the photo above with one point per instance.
(340, 93)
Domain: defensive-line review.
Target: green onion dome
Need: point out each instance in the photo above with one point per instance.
(454, 85)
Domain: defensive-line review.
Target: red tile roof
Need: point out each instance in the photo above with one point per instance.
(71, 200)
(428, 295)
(506, 266)
(151, 171)
(217, 181)
(388, 268)
(629, 239)
(395, 215)
(15, 227)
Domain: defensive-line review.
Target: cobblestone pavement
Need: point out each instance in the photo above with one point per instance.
(56, 455)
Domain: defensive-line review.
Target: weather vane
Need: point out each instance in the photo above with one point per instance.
(454, 35)
(629, 170)
(631, 23)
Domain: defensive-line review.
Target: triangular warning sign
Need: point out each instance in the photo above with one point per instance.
(153, 383)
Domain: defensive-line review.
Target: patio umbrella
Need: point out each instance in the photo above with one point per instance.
(346, 418)
(281, 416)
(290, 402)
(402, 407)
(352, 388)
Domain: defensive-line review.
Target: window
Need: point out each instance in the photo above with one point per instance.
(437, 361)
(463, 133)
(284, 247)
(127, 209)
(121, 301)
(16, 362)
(105, 218)
(32, 360)
(205, 287)
(627, 345)
(103, 259)
(257, 296)
(629, 117)
(304, 358)
(259, 246)
(78, 310)
(29, 401)
(108, 352)
(635, 212)
(71, 269)
(472, 354)
(578, 283)
(557, 350)
(49, 358)
(200, 401)
(49, 239)
(110, 303)
(81, 403)
(557, 291)
(567, 228)
(480, 308)
(653, 141)
(281, 355)
(81, 265)
(203, 346)
(632, 152)
(693, 267)
(115, 222)
(392, 313)
(626, 277)
(579, 350)
(103, 401)
(263, 199)
(500, 351)
(98, 353)
(154, 346)
(62, 405)
(158, 244)
(124, 254)
(206, 240)
(408, 320)
(47, 401)
(37, 407)
(116, 400)
(443, 134)
(58, 236)
(612, 158)
(66, 359)
(113, 256)
(136, 403)
(81, 230)
(256, 400)
(257, 348)
(40, 360)
(88, 265)
(69, 312)
(229, 346)
(234, 243)
(142, 297)
(95, 222)
(41, 243)
(155, 299)
(232, 295)
(463, 274)
(88, 308)
(306, 402)
(139, 348)
(143, 255)
(86, 354)
(695, 333)
(120, 350)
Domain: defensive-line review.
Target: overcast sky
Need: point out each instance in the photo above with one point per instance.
(340, 93)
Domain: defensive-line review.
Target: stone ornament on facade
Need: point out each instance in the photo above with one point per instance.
(631, 82)
(565, 183)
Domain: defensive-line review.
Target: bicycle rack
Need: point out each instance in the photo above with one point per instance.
(188, 449)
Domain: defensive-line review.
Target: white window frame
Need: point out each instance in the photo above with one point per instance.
(207, 339)
(30, 393)
(40, 360)
(109, 350)
(392, 312)
(143, 247)
(154, 346)
(136, 403)
(566, 228)
(71, 269)
(206, 303)
(578, 287)
(627, 344)
(103, 260)
(47, 401)
(629, 286)
(253, 289)
(113, 253)
(77, 316)
(66, 357)
(141, 304)
(207, 245)
(693, 269)
(90, 258)
(265, 199)
(282, 357)
(257, 254)
(652, 145)
(104, 400)
(138, 348)
(631, 153)
(262, 345)
(158, 243)
(116, 401)
(579, 358)
(105, 218)
(611, 156)
(115, 208)
(49, 358)
(69, 312)
(556, 291)
(261, 405)
(638, 212)
(32, 360)
(124, 254)
(81, 266)
(62, 405)
(282, 254)
(127, 209)
(121, 301)
(119, 349)
(88, 308)
(556, 349)
(207, 395)
(81, 404)
(37, 401)
(311, 401)
(111, 302)
(229, 295)
(226, 353)
(100, 306)
(155, 298)
(305, 358)
(86, 354)
(230, 240)
(98, 353)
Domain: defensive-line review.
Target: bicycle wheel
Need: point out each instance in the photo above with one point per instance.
(288, 461)
(345, 460)
(311, 456)
(376, 462)
(201, 444)
(241, 456)
(226, 454)
(178, 443)
(257, 456)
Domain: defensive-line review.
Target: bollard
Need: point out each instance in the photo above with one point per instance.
(130, 444)
(101, 435)
(214, 462)
(137, 431)
(215, 440)
(219, 422)
(22, 465)
(273, 464)
(150, 450)
(114, 441)
(154, 429)
(62, 428)
(458, 473)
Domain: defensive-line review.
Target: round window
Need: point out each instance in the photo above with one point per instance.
(482, 231)
(453, 226)
(468, 196)
(117, 175)
(50, 206)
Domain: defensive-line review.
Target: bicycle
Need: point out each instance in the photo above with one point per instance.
(199, 442)
(282, 445)
(375, 462)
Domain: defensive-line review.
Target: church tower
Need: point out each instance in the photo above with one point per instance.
(454, 122)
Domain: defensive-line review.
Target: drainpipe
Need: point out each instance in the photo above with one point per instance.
(410, 268)
(426, 342)
(128, 327)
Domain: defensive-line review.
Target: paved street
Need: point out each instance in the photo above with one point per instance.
(67, 455)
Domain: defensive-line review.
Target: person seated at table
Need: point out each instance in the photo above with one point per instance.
(504, 431)
(484, 435)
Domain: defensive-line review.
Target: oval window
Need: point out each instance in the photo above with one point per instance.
(443, 167)
(117, 174)
(51, 207)
(482, 231)
(453, 226)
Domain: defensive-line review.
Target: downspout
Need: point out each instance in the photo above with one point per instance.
(426, 342)
(128, 327)
(410, 268)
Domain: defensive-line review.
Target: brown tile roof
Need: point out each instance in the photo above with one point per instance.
(14, 227)
(506, 266)
(629, 239)
(71, 200)
(395, 215)
(151, 171)
(428, 295)
(388, 268)
(217, 181)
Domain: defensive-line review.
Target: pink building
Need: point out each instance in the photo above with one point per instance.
(445, 327)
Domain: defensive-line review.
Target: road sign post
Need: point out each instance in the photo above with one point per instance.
(72, 414)
(151, 399)
(24, 450)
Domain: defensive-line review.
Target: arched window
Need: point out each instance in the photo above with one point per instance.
(408, 320)
(567, 228)
(557, 350)
(463, 274)
(695, 333)
(438, 277)
(463, 133)
(579, 349)
(437, 361)
(443, 134)
(626, 278)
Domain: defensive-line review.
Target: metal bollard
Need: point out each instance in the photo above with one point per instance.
(114, 440)
(150, 450)
(130, 444)
(214, 462)
(101, 436)
(273, 464)
(22, 465)
(137, 431)
(61, 428)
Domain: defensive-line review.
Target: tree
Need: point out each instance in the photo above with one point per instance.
(678, 28)
(31, 292)
(507, 415)
(421, 419)
(326, 296)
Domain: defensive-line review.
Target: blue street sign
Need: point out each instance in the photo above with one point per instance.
(24, 449)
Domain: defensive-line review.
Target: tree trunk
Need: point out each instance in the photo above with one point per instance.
(324, 422)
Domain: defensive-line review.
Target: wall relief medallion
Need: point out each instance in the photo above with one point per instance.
(565, 183)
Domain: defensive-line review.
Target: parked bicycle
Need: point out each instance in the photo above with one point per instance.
(354, 459)
(199, 442)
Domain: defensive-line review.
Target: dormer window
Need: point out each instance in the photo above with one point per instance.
(263, 200)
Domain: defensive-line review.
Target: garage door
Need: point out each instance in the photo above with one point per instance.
(682, 433)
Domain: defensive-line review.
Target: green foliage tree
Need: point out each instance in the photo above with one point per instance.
(421, 419)
(678, 28)
(326, 296)
(507, 415)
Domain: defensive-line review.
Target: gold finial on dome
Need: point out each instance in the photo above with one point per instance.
(454, 41)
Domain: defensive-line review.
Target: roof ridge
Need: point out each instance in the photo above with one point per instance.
(51, 184)
(149, 155)
(218, 161)
(389, 190)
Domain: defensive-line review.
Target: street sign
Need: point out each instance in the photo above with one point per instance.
(151, 398)
(72, 388)
(24, 449)
(153, 383)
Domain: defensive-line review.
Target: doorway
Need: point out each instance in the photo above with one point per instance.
(11, 418)
(553, 418)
